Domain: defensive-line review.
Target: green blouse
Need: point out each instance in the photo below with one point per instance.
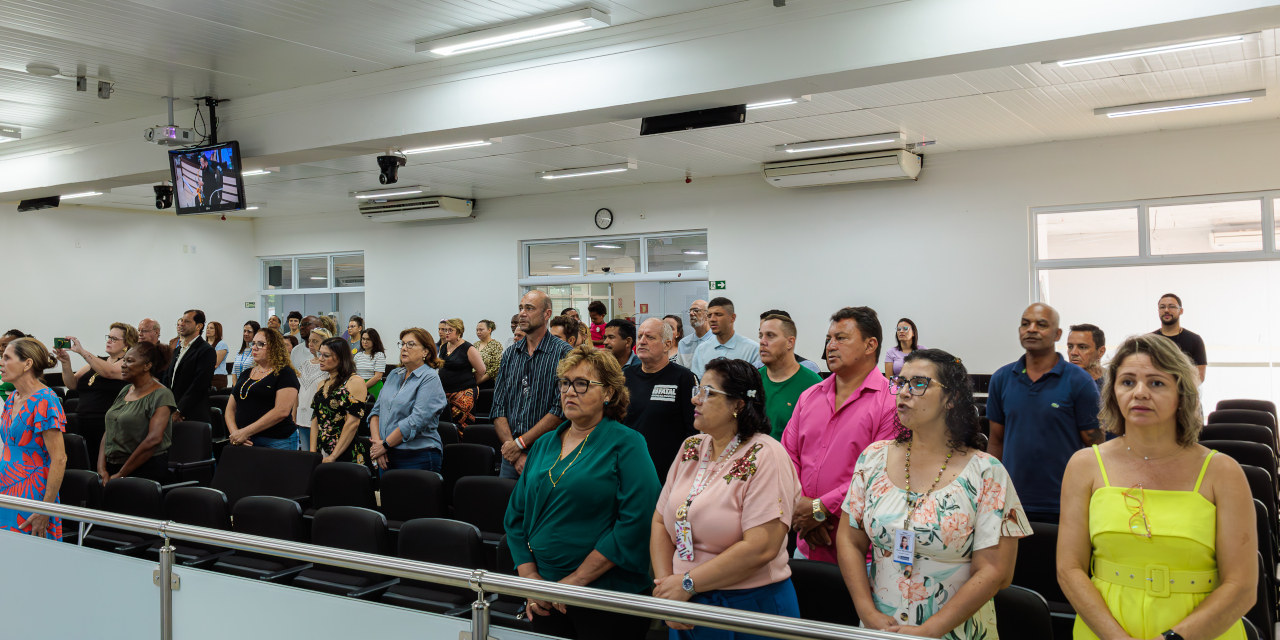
(603, 502)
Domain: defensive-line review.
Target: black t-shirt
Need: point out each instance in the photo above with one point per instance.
(254, 398)
(661, 409)
(97, 392)
(457, 374)
(1191, 344)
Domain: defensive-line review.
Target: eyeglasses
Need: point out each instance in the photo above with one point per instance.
(1140, 515)
(258, 345)
(111, 339)
(904, 329)
(1169, 307)
(916, 386)
(322, 356)
(580, 385)
(700, 392)
(411, 344)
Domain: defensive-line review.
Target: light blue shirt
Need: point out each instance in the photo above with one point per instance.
(413, 407)
(688, 345)
(737, 348)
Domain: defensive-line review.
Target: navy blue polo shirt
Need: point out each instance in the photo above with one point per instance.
(1042, 424)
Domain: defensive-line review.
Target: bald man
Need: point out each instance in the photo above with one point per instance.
(149, 331)
(1042, 410)
(301, 354)
(701, 333)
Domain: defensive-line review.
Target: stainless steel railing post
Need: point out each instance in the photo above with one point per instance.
(166, 590)
(479, 609)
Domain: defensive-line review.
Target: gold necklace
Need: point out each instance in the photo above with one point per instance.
(244, 390)
(555, 481)
(931, 487)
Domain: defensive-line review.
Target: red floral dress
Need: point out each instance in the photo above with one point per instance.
(24, 464)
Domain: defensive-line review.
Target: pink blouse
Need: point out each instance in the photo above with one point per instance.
(758, 484)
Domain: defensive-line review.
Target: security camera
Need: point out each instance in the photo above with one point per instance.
(606, 269)
(389, 166)
(164, 196)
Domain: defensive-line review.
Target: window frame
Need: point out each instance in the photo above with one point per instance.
(293, 260)
(642, 275)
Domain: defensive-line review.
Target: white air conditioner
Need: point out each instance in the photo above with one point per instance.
(858, 167)
(412, 209)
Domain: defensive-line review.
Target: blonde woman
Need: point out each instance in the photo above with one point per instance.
(310, 376)
(260, 411)
(462, 371)
(98, 382)
(31, 436)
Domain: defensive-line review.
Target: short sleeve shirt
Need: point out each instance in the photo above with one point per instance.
(254, 398)
(129, 421)
(1191, 344)
(755, 486)
(780, 398)
(895, 355)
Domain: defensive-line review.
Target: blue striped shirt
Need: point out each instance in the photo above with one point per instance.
(526, 389)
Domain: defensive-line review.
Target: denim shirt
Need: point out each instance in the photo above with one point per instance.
(413, 407)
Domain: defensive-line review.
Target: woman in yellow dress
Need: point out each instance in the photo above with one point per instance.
(1164, 526)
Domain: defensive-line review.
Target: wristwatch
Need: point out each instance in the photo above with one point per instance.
(1172, 635)
(818, 514)
(687, 583)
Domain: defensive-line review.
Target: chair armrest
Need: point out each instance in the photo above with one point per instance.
(372, 591)
(303, 501)
(165, 489)
(201, 563)
(460, 612)
(286, 573)
(192, 465)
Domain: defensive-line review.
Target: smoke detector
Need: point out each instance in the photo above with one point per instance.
(40, 69)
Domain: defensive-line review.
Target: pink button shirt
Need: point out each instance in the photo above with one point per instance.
(824, 443)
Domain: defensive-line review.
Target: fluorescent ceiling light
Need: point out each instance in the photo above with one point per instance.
(578, 258)
(1138, 53)
(562, 266)
(1236, 239)
(841, 143)
(606, 246)
(694, 252)
(586, 171)
(81, 195)
(255, 172)
(10, 133)
(446, 147)
(318, 278)
(251, 208)
(384, 193)
(1180, 105)
(515, 33)
(779, 103)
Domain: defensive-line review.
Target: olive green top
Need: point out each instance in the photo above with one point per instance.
(128, 423)
(603, 500)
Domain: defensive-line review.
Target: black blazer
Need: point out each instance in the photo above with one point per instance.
(191, 380)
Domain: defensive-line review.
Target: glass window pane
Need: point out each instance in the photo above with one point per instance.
(553, 259)
(1211, 227)
(613, 256)
(348, 271)
(277, 274)
(681, 253)
(313, 273)
(1087, 234)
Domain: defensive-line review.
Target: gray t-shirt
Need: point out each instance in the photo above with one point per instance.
(127, 424)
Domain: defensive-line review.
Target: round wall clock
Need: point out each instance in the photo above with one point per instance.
(604, 218)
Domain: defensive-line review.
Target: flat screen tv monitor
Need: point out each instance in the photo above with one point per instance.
(207, 179)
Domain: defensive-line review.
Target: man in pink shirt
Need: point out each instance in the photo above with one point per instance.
(833, 423)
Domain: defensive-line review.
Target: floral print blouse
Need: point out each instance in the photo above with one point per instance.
(971, 512)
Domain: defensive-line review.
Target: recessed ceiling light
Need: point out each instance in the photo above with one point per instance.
(255, 172)
(318, 278)
(779, 103)
(841, 143)
(251, 208)
(40, 69)
(10, 133)
(446, 147)
(1124, 55)
(515, 33)
(1180, 105)
(606, 246)
(586, 171)
(694, 252)
(382, 193)
(562, 266)
(81, 195)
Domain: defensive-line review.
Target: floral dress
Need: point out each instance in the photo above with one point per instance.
(330, 409)
(971, 512)
(24, 464)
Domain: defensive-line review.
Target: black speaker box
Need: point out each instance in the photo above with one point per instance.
(39, 203)
(701, 119)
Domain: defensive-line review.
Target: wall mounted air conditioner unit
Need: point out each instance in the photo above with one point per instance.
(413, 209)
(858, 167)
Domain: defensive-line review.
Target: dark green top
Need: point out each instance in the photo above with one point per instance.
(127, 424)
(603, 502)
(780, 398)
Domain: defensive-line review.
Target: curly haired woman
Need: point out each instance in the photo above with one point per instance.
(260, 411)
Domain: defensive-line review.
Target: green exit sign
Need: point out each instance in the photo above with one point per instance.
(716, 285)
(250, 305)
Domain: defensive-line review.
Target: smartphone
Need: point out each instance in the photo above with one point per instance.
(61, 343)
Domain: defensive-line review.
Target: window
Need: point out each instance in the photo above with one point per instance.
(617, 256)
(277, 274)
(348, 270)
(313, 273)
(681, 254)
(316, 274)
(1087, 234)
(1209, 227)
(678, 253)
(553, 259)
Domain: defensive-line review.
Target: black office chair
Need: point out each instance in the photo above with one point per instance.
(1243, 416)
(353, 529)
(485, 434)
(484, 404)
(409, 494)
(821, 591)
(268, 517)
(437, 541)
(1262, 614)
(131, 497)
(1022, 614)
(1239, 431)
(482, 501)
(506, 611)
(341, 484)
(79, 488)
(462, 460)
(1251, 405)
(448, 433)
(198, 507)
(1250, 631)
(1262, 487)
(258, 471)
(218, 423)
(78, 453)
(1250, 453)
(1036, 569)
(191, 452)
(70, 403)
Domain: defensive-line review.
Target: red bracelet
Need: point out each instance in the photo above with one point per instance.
(520, 443)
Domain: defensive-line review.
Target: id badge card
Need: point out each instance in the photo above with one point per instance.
(904, 546)
(684, 540)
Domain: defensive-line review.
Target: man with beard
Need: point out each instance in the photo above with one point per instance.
(701, 333)
(526, 397)
(1170, 307)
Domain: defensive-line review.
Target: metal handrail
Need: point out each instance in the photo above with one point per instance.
(476, 580)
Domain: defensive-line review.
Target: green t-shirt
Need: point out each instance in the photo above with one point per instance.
(780, 398)
(127, 423)
(6, 388)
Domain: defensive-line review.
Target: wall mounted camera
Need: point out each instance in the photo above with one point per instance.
(164, 196)
(390, 167)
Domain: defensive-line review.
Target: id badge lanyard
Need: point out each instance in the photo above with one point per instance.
(684, 533)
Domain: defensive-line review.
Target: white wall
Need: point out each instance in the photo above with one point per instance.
(128, 265)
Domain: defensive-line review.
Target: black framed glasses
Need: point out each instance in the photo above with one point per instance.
(579, 386)
(915, 386)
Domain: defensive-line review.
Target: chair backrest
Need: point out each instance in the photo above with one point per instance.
(506, 564)
(81, 488)
(71, 403)
(1243, 416)
(440, 541)
(1264, 521)
(482, 501)
(1242, 432)
(342, 484)
(198, 507)
(461, 460)
(1022, 614)
(821, 592)
(1262, 615)
(192, 441)
(1261, 486)
(258, 471)
(1250, 631)
(484, 402)
(350, 528)
(1036, 567)
(138, 497)
(448, 433)
(1252, 405)
(1252, 453)
(484, 434)
(77, 452)
(269, 517)
(217, 423)
(408, 494)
